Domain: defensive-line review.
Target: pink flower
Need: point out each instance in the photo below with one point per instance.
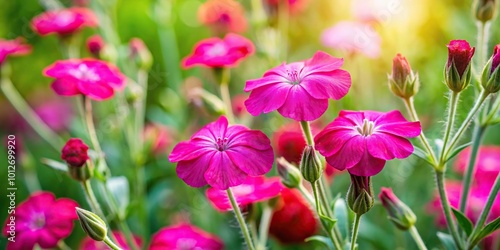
(299, 90)
(362, 141)
(95, 44)
(223, 16)
(75, 153)
(63, 21)
(90, 244)
(293, 219)
(460, 55)
(93, 78)
(254, 189)
(294, 6)
(352, 37)
(157, 138)
(13, 47)
(495, 58)
(487, 164)
(222, 156)
(57, 114)
(216, 53)
(184, 236)
(238, 104)
(42, 220)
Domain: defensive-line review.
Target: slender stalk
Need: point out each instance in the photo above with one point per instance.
(410, 107)
(355, 230)
(92, 200)
(62, 245)
(449, 124)
(492, 112)
(477, 136)
(331, 233)
(253, 230)
(486, 210)
(29, 115)
(111, 244)
(483, 35)
(447, 210)
(241, 220)
(265, 222)
(306, 130)
(307, 195)
(90, 125)
(463, 127)
(416, 237)
(226, 97)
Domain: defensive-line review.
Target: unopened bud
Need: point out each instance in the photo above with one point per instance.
(290, 175)
(484, 10)
(360, 194)
(140, 53)
(403, 82)
(93, 226)
(74, 152)
(310, 165)
(458, 67)
(400, 214)
(490, 79)
(95, 45)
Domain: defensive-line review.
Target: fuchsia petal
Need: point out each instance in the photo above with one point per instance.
(393, 122)
(185, 151)
(264, 81)
(323, 62)
(388, 147)
(191, 171)
(300, 106)
(367, 166)
(334, 85)
(241, 136)
(223, 173)
(350, 154)
(213, 130)
(330, 142)
(252, 162)
(267, 99)
(65, 87)
(60, 68)
(96, 90)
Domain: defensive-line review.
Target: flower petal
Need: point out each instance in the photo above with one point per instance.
(96, 90)
(191, 172)
(222, 173)
(241, 136)
(188, 150)
(252, 162)
(267, 99)
(333, 85)
(213, 130)
(300, 106)
(367, 166)
(329, 142)
(322, 62)
(266, 80)
(350, 154)
(65, 87)
(387, 147)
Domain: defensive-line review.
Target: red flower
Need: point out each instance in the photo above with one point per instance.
(75, 152)
(42, 220)
(293, 219)
(184, 236)
(13, 47)
(215, 52)
(90, 244)
(63, 21)
(223, 16)
(459, 54)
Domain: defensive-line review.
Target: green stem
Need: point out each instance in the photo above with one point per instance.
(331, 233)
(92, 200)
(445, 203)
(62, 245)
(482, 43)
(111, 244)
(90, 126)
(265, 222)
(454, 96)
(477, 136)
(307, 195)
(486, 210)
(463, 127)
(492, 112)
(29, 115)
(355, 229)
(410, 107)
(241, 220)
(306, 129)
(416, 237)
(226, 96)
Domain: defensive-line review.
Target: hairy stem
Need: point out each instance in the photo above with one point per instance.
(445, 203)
(416, 237)
(241, 220)
(355, 229)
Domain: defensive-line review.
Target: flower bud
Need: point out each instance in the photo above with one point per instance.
(74, 152)
(360, 194)
(95, 45)
(140, 53)
(490, 79)
(290, 175)
(458, 67)
(403, 82)
(93, 226)
(484, 10)
(310, 165)
(400, 214)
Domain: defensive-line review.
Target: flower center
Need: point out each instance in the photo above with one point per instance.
(294, 76)
(64, 18)
(217, 50)
(186, 244)
(366, 129)
(222, 143)
(84, 73)
(38, 222)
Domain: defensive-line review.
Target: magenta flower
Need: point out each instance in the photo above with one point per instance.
(254, 189)
(487, 164)
(299, 90)
(460, 55)
(95, 45)
(93, 78)
(63, 21)
(216, 53)
(495, 58)
(157, 138)
(75, 153)
(42, 220)
(353, 37)
(90, 244)
(184, 236)
(222, 156)
(362, 141)
(13, 48)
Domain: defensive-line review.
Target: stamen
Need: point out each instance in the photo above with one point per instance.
(366, 129)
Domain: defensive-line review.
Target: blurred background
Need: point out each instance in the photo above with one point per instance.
(419, 30)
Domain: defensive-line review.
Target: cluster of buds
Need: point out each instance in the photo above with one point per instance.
(75, 154)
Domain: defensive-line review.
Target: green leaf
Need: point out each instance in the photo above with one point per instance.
(446, 240)
(57, 165)
(487, 230)
(119, 188)
(463, 221)
(321, 239)
(327, 221)
(332, 204)
(420, 153)
(457, 150)
(342, 215)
